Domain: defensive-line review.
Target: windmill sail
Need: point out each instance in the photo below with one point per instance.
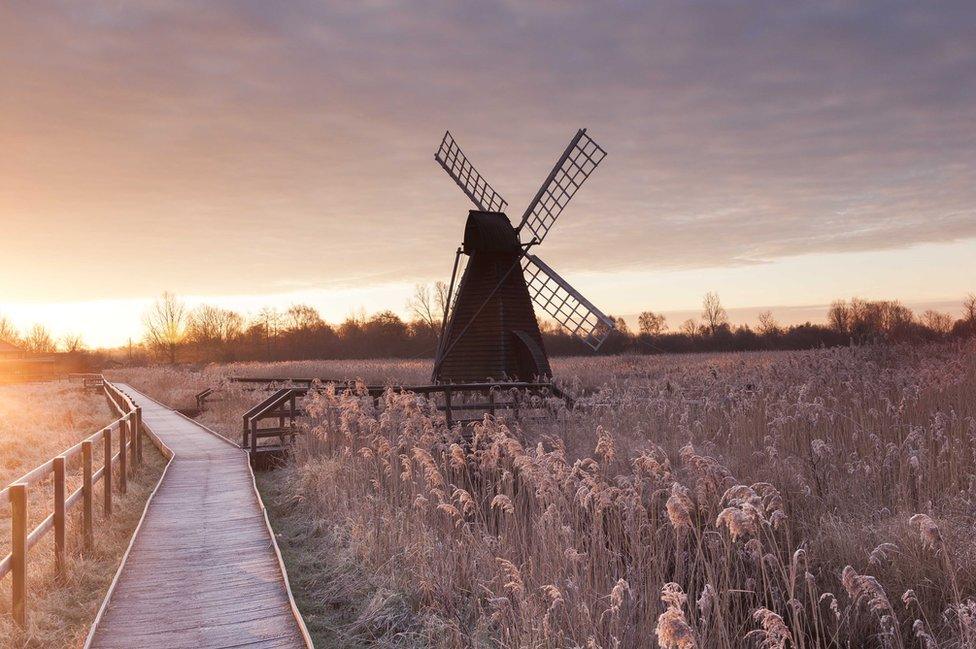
(472, 183)
(565, 304)
(578, 161)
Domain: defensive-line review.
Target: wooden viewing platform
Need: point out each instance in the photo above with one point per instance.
(203, 569)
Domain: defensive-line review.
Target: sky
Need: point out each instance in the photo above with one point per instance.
(783, 154)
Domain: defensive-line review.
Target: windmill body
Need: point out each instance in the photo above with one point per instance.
(490, 331)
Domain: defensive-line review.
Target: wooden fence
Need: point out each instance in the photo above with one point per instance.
(125, 434)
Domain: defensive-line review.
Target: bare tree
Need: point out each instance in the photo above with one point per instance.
(767, 324)
(302, 317)
(269, 319)
(39, 340)
(428, 304)
(714, 314)
(839, 317)
(8, 333)
(165, 325)
(937, 321)
(71, 343)
(230, 324)
(689, 327)
(651, 324)
(969, 308)
(208, 323)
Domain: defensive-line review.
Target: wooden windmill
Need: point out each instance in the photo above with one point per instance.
(490, 331)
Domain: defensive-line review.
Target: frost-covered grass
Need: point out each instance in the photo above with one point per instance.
(37, 422)
(809, 499)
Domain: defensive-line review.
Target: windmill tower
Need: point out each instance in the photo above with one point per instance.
(490, 331)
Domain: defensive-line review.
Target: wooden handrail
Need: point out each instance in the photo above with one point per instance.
(129, 425)
(273, 405)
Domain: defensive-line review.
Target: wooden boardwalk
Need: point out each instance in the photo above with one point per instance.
(202, 570)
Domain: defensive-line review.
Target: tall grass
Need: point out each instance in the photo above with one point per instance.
(812, 499)
(37, 422)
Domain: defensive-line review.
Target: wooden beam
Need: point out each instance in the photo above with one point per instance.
(59, 515)
(88, 497)
(107, 474)
(18, 552)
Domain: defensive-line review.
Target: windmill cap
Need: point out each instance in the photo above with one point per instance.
(490, 232)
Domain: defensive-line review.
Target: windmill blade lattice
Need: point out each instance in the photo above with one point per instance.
(565, 304)
(472, 183)
(578, 161)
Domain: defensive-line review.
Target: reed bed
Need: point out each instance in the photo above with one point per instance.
(809, 499)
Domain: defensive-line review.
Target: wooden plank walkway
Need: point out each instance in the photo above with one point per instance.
(202, 570)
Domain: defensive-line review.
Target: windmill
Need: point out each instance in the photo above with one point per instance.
(490, 331)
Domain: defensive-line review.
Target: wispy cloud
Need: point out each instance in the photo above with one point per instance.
(245, 146)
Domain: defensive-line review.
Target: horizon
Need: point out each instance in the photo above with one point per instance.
(248, 156)
(784, 315)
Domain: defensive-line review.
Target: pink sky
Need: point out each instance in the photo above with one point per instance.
(780, 154)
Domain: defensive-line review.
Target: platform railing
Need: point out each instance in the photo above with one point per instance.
(281, 404)
(125, 434)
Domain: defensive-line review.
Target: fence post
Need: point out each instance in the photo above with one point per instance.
(491, 401)
(59, 514)
(123, 456)
(138, 433)
(87, 513)
(18, 552)
(107, 472)
(449, 416)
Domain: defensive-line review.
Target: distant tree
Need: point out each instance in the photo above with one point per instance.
(689, 327)
(39, 340)
(969, 309)
(714, 314)
(203, 325)
(898, 321)
(213, 331)
(385, 334)
(651, 324)
(270, 321)
(767, 324)
(302, 317)
(165, 326)
(8, 333)
(839, 317)
(937, 321)
(428, 303)
(71, 343)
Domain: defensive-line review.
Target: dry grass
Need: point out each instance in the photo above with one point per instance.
(38, 421)
(813, 499)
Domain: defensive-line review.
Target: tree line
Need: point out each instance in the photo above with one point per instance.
(208, 333)
(175, 333)
(38, 340)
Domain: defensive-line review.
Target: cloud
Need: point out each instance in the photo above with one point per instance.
(244, 146)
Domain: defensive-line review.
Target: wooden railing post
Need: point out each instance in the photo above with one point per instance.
(107, 472)
(88, 498)
(137, 433)
(448, 415)
(123, 457)
(18, 552)
(59, 514)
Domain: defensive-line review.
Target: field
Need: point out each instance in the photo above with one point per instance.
(37, 422)
(802, 499)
